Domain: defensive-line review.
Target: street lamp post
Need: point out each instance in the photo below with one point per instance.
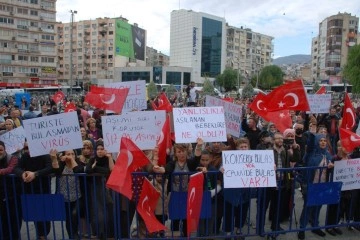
(71, 50)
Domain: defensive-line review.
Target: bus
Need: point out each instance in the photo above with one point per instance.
(52, 90)
(333, 88)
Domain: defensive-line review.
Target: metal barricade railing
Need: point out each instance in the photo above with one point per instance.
(80, 206)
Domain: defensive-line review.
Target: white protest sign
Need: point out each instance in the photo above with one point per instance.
(136, 98)
(59, 131)
(233, 113)
(249, 168)
(207, 123)
(348, 172)
(14, 140)
(319, 103)
(143, 127)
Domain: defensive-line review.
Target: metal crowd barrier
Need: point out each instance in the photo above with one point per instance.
(29, 211)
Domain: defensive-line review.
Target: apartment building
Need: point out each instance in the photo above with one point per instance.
(94, 48)
(156, 58)
(337, 34)
(248, 51)
(27, 41)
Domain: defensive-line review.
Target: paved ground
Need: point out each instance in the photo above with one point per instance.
(347, 234)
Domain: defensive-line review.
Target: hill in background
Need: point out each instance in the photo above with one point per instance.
(292, 59)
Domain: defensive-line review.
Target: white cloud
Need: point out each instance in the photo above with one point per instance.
(277, 18)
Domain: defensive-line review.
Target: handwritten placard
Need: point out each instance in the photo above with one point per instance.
(59, 131)
(143, 127)
(348, 172)
(14, 140)
(249, 168)
(136, 98)
(319, 103)
(207, 123)
(233, 113)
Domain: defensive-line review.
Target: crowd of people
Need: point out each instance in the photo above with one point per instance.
(313, 141)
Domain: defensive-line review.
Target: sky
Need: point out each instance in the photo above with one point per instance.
(292, 23)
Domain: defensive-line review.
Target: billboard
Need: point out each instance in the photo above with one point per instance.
(129, 40)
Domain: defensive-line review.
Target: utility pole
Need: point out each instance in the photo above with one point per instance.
(71, 50)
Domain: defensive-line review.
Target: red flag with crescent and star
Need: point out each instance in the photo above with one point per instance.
(290, 96)
(58, 96)
(163, 103)
(70, 107)
(194, 201)
(107, 98)
(129, 159)
(164, 141)
(348, 119)
(281, 119)
(349, 139)
(146, 207)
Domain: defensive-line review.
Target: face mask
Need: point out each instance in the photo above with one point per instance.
(298, 131)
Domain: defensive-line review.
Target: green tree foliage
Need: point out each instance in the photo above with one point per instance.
(351, 70)
(228, 79)
(171, 90)
(248, 91)
(270, 76)
(208, 88)
(316, 87)
(152, 91)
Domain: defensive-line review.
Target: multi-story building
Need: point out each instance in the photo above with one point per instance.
(198, 41)
(337, 34)
(95, 48)
(248, 52)
(27, 41)
(156, 58)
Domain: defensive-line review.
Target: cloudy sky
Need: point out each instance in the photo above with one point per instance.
(292, 23)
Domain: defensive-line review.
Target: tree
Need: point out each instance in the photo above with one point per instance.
(171, 90)
(152, 91)
(270, 76)
(228, 79)
(248, 91)
(351, 70)
(316, 87)
(208, 87)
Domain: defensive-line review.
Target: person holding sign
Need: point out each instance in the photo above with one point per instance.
(69, 187)
(10, 214)
(9, 125)
(34, 172)
(180, 163)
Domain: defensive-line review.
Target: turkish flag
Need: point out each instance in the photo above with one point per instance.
(349, 140)
(129, 159)
(107, 98)
(348, 119)
(163, 103)
(164, 142)
(281, 119)
(70, 107)
(194, 201)
(228, 99)
(146, 207)
(321, 90)
(58, 96)
(290, 96)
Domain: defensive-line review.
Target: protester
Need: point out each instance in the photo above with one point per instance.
(30, 114)
(34, 172)
(9, 125)
(10, 211)
(94, 132)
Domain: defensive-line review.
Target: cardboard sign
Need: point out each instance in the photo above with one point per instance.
(136, 99)
(207, 123)
(59, 131)
(143, 127)
(233, 113)
(14, 140)
(249, 168)
(319, 103)
(348, 172)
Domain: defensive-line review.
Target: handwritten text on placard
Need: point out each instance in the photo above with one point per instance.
(14, 140)
(59, 131)
(319, 103)
(233, 113)
(207, 123)
(144, 129)
(348, 172)
(249, 168)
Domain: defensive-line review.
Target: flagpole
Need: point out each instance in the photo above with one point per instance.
(71, 50)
